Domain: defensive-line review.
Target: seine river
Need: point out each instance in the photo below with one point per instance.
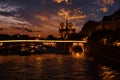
(54, 67)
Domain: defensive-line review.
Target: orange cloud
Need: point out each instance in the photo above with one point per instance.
(59, 1)
(63, 12)
(41, 17)
(104, 3)
(104, 9)
(77, 17)
(67, 1)
(110, 2)
(77, 14)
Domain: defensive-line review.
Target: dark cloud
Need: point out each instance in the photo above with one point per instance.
(19, 28)
(6, 13)
(23, 28)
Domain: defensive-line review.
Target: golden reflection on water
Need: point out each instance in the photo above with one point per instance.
(1, 59)
(80, 55)
(108, 74)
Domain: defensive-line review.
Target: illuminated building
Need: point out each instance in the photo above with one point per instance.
(66, 30)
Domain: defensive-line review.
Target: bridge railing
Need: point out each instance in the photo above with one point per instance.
(45, 41)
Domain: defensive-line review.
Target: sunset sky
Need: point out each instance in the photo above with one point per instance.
(43, 17)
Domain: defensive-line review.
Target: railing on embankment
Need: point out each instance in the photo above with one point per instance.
(109, 53)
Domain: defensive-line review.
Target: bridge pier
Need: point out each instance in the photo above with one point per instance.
(67, 47)
(64, 46)
(80, 45)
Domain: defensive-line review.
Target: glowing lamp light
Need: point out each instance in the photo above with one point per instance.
(117, 43)
(1, 44)
(39, 36)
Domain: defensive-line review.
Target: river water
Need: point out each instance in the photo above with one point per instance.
(54, 67)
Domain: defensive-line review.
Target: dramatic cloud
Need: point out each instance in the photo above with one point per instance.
(11, 20)
(26, 29)
(65, 13)
(44, 16)
(77, 14)
(104, 4)
(104, 9)
(7, 8)
(110, 2)
(60, 1)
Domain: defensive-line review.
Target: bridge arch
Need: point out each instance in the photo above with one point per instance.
(79, 47)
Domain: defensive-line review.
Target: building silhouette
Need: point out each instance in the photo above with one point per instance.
(65, 30)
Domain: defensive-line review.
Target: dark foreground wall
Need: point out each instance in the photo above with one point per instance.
(109, 53)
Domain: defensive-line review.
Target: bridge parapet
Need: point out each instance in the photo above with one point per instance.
(44, 41)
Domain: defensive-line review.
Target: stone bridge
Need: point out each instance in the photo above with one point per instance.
(66, 45)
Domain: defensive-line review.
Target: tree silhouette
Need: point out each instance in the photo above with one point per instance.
(51, 37)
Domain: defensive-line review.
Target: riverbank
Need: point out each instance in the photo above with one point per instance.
(104, 52)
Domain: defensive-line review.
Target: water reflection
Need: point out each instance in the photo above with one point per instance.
(108, 74)
(53, 67)
(80, 55)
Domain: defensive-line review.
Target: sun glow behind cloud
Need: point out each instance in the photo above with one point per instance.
(60, 1)
(42, 17)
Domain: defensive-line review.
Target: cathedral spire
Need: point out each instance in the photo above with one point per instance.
(67, 23)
